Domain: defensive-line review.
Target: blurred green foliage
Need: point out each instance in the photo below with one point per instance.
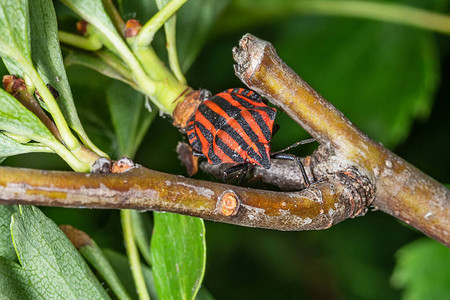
(390, 80)
(423, 270)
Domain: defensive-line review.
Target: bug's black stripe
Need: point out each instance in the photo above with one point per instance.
(209, 138)
(227, 106)
(247, 128)
(219, 120)
(255, 97)
(252, 153)
(271, 112)
(192, 136)
(267, 132)
(190, 126)
(195, 141)
(197, 145)
(229, 152)
(205, 132)
(216, 160)
(265, 160)
(251, 94)
(216, 119)
(243, 102)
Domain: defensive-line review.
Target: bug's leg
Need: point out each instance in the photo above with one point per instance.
(245, 168)
(294, 158)
(275, 129)
(232, 170)
(205, 95)
(198, 154)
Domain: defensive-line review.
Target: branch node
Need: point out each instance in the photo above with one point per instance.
(101, 165)
(360, 189)
(122, 165)
(228, 203)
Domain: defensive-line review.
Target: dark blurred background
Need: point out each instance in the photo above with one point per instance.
(390, 80)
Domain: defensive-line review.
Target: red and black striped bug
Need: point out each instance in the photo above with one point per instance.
(235, 126)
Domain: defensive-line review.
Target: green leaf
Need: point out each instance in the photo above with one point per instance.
(120, 264)
(129, 116)
(195, 20)
(14, 35)
(96, 63)
(15, 284)
(93, 11)
(94, 255)
(178, 251)
(47, 59)
(423, 271)
(49, 261)
(203, 294)
(15, 118)
(6, 245)
(10, 147)
(142, 230)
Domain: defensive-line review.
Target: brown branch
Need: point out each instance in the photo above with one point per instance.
(401, 189)
(318, 207)
(356, 172)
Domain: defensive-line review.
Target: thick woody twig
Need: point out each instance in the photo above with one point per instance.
(139, 188)
(401, 189)
(355, 172)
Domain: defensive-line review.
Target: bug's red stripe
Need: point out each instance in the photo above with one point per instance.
(233, 126)
(241, 132)
(207, 148)
(193, 137)
(204, 140)
(228, 155)
(227, 138)
(233, 123)
(254, 125)
(229, 146)
(191, 131)
(229, 98)
(246, 93)
(236, 112)
(217, 109)
(264, 122)
(221, 154)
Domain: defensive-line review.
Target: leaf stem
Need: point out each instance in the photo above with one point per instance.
(378, 11)
(91, 43)
(145, 36)
(168, 88)
(171, 46)
(69, 139)
(69, 157)
(115, 62)
(142, 233)
(133, 254)
(89, 249)
(390, 12)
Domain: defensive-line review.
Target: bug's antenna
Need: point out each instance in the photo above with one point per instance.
(302, 142)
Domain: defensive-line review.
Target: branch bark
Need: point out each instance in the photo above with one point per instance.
(354, 172)
(143, 189)
(401, 190)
